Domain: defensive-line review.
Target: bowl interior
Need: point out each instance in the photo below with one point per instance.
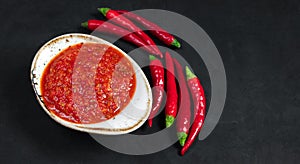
(128, 120)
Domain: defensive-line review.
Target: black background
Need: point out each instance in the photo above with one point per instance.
(258, 42)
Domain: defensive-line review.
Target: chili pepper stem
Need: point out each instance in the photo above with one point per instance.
(176, 43)
(189, 73)
(104, 10)
(169, 120)
(84, 24)
(182, 137)
(151, 57)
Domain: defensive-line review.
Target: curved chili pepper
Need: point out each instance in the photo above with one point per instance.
(184, 111)
(157, 74)
(172, 96)
(160, 33)
(106, 27)
(126, 23)
(198, 96)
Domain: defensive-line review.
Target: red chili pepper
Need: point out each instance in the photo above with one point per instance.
(126, 23)
(184, 111)
(198, 96)
(116, 30)
(157, 74)
(160, 33)
(172, 96)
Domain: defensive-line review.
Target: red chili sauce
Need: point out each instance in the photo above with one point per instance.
(88, 83)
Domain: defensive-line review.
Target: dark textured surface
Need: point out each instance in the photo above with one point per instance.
(258, 42)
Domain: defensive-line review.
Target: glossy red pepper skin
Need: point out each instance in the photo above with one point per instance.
(160, 33)
(198, 96)
(126, 23)
(184, 110)
(109, 28)
(157, 74)
(172, 96)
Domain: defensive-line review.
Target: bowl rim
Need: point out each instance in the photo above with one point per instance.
(81, 127)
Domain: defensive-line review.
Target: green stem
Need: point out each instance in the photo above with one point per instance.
(84, 24)
(151, 57)
(189, 73)
(169, 120)
(182, 136)
(104, 10)
(176, 43)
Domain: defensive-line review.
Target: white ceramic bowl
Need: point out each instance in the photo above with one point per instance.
(128, 120)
